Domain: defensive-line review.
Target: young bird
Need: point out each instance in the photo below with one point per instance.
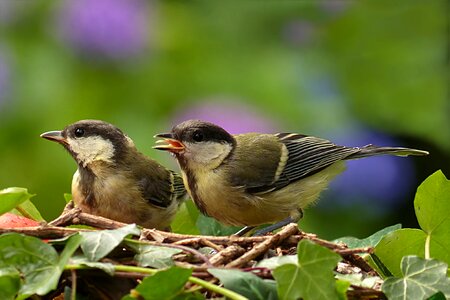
(116, 181)
(252, 179)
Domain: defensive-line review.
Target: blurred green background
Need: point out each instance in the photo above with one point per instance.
(355, 72)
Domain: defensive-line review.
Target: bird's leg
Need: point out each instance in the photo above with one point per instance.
(280, 224)
(244, 230)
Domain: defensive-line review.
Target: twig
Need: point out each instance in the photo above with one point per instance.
(226, 255)
(264, 246)
(358, 261)
(184, 248)
(67, 217)
(73, 294)
(365, 293)
(45, 231)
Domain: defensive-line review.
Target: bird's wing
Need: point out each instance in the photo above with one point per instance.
(308, 155)
(160, 186)
(299, 156)
(253, 163)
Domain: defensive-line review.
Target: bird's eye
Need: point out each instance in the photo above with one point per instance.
(79, 132)
(197, 136)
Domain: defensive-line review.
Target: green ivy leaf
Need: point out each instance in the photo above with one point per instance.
(186, 219)
(341, 288)
(67, 197)
(11, 197)
(422, 278)
(312, 278)
(432, 208)
(209, 226)
(370, 241)
(82, 260)
(153, 256)
(38, 263)
(398, 244)
(98, 244)
(28, 210)
(9, 283)
(189, 296)
(276, 261)
(166, 284)
(246, 284)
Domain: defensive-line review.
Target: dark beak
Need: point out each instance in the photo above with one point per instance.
(168, 143)
(55, 136)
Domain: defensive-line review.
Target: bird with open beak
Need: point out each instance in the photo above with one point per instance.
(116, 181)
(252, 179)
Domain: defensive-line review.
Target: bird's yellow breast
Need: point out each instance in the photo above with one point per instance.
(232, 205)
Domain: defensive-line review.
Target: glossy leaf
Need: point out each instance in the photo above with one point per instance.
(341, 288)
(37, 262)
(154, 256)
(166, 284)
(98, 244)
(209, 226)
(432, 207)
(276, 261)
(398, 244)
(186, 219)
(312, 278)
(246, 284)
(421, 278)
(370, 241)
(9, 283)
(27, 209)
(11, 197)
(82, 260)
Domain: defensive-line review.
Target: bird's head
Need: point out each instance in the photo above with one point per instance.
(90, 141)
(197, 144)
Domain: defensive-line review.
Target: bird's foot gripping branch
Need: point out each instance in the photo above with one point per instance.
(126, 262)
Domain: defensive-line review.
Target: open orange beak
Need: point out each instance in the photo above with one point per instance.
(168, 143)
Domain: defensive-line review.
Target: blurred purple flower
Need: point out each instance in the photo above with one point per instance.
(298, 32)
(336, 7)
(114, 29)
(4, 79)
(234, 117)
(376, 182)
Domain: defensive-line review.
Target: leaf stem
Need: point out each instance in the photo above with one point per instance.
(427, 246)
(24, 213)
(207, 285)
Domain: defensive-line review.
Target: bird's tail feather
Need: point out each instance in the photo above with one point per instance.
(371, 150)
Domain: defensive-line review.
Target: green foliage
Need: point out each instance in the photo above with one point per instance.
(246, 284)
(370, 241)
(185, 219)
(166, 284)
(97, 245)
(342, 288)
(312, 277)
(9, 283)
(12, 197)
(153, 256)
(28, 210)
(276, 261)
(433, 213)
(210, 226)
(84, 261)
(37, 263)
(421, 278)
(398, 70)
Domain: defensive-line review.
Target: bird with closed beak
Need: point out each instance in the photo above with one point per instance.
(116, 181)
(252, 179)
